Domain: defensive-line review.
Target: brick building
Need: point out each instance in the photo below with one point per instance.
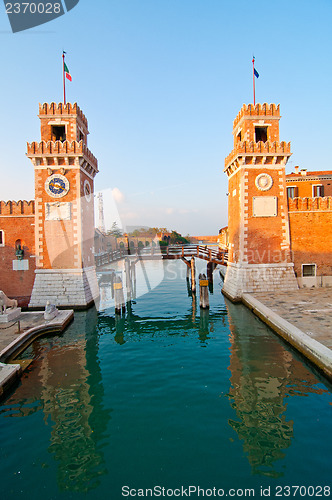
(310, 221)
(56, 230)
(17, 249)
(279, 226)
(304, 184)
(258, 227)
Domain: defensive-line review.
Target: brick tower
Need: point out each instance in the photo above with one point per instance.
(64, 209)
(259, 248)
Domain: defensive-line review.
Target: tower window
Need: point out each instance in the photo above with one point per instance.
(2, 238)
(260, 134)
(58, 133)
(318, 190)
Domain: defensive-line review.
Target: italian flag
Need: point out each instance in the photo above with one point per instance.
(67, 73)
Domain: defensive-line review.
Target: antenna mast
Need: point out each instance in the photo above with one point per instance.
(101, 225)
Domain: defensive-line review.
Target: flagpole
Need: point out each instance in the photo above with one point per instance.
(253, 76)
(64, 79)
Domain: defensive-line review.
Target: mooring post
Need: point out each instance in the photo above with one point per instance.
(203, 324)
(113, 276)
(119, 329)
(133, 278)
(210, 268)
(194, 308)
(193, 275)
(203, 292)
(128, 278)
(118, 296)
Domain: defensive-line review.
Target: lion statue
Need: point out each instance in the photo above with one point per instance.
(5, 302)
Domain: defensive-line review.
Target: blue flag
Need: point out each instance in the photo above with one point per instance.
(256, 73)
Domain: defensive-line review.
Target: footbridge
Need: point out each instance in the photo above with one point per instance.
(171, 252)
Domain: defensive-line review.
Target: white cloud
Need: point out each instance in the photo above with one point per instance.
(118, 195)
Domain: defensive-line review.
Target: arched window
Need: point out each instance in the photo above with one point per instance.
(2, 238)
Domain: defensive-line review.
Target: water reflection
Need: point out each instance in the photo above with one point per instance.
(65, 382)
(263, 375)
(135, 327)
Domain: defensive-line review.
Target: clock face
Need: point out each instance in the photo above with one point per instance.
(87, 190)
(57, 185)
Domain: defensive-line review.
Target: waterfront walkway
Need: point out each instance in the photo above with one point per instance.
(302, 317)
(17, 335)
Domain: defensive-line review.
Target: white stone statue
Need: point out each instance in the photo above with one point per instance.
(50, 311)
(5, 303)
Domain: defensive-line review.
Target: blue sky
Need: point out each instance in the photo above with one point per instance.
(160, 82)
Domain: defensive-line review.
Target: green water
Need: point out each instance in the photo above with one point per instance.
(168, 397)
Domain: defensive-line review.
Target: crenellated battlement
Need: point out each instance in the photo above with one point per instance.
(61, 109)
(59, 148)
(252, 148)
(266, 110)
(310, 204)
(14, 208)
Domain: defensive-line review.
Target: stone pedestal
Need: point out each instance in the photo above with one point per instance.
(10, 315)
(249, 278)
(76, 288)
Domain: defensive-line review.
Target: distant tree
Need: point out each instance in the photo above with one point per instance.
(178, 238)
(149, 232)
(115, 231)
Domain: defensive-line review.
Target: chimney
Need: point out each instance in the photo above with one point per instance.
(297, 169)
(303, 171)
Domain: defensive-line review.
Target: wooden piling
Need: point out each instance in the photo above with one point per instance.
(113, 276)
(210, 268)
(194, 308)
(203, 324)
(128, 279)
(203, 292)
(133, 280)
(118, 296)
(193, 275)
(188, 273)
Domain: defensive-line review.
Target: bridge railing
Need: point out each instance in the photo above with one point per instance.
(171, 251)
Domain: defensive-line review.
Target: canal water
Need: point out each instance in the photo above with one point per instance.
(167, 396)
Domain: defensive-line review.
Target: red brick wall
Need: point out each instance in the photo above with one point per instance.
(196, 239)
(311, 233)
(17, 284)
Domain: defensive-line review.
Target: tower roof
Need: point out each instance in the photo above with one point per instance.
(61, 109)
